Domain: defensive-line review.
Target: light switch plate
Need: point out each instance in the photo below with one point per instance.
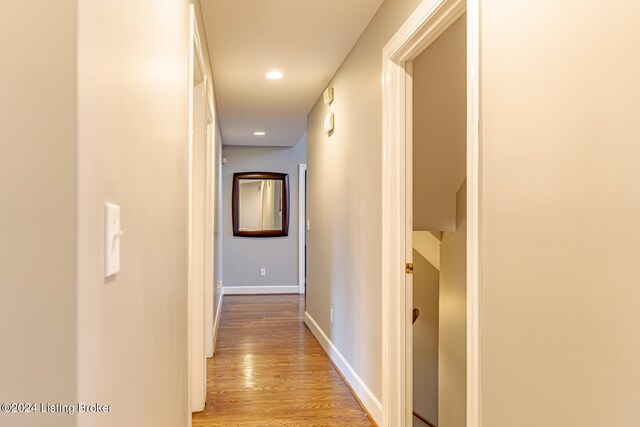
(112, 237)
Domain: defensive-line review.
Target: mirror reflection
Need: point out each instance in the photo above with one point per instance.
(260, 204)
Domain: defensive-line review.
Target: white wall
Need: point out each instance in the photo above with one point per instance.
(132, 150)
(560, 208)
(345, 202)
(244, 256)
(38, 182)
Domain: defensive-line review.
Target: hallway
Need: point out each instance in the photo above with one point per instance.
(269, 370)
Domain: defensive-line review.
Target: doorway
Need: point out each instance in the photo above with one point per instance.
(302, 228)
(438, 231)
(447, 225)
(200, 222)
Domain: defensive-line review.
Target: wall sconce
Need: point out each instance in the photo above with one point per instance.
(328, 123)
(328, 95)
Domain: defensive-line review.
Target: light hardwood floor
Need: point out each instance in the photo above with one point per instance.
(269, 370)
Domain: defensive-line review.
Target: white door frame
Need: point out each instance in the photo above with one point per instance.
(192, 23)
(196, 353)
(429, 20)
(302, 215)
(211, 205)
(209, 243)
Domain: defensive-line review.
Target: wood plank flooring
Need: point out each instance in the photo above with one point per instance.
(270, 371)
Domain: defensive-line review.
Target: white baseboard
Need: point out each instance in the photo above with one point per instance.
(366, 397)
(216, 322)
(253, 290)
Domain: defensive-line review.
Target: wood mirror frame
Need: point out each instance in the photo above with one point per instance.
(235, 204)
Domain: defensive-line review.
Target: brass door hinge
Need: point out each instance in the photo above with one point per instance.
(408, 268)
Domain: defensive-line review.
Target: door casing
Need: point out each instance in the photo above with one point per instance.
(429, 20)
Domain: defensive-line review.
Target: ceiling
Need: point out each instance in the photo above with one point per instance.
(307, 40)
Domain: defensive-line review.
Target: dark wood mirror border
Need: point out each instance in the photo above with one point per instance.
(235, 204)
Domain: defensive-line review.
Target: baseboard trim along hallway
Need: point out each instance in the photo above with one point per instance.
(270, 370)
(260, 290)
(366, 398)
(216, 321)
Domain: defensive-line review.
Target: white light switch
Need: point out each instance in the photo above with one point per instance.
(308, 225)
(112, 236)
(263, 272)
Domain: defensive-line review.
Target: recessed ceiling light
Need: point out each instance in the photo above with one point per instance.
(259, 133)
(274, 75)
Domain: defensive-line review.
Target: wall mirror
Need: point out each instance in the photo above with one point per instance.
(260, 204)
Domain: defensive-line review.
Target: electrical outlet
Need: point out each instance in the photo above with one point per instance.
(220, 284)
(308, 225)
(263, 272)
(331, 315)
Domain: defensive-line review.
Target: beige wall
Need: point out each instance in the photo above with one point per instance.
(345, 202)
(37, 206)
(439, 334)
(439, 129)
(217, 235)
(197, 256)
(132, 150)
(107, 121)
(561, 303)
(426, 283)
(452, 337)
(439, 169)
